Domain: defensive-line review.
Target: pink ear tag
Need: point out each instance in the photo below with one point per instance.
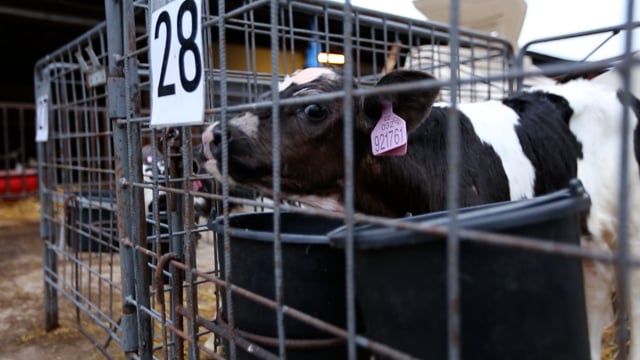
(389, 137)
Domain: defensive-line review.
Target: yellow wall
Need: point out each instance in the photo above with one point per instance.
(236, 59)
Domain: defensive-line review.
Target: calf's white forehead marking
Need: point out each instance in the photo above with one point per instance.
(246, 123)
(305, 76)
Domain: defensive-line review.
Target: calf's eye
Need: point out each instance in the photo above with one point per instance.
(316, 113)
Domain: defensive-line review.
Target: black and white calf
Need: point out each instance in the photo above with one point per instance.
(152, 167)
(204, 206)
(529, 144)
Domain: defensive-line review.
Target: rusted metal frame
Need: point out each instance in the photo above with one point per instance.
(159, 288)
(308, 344)
(189, 239)
(225, 332)
(155, 213)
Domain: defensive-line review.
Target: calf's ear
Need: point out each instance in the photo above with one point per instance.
(413, 106)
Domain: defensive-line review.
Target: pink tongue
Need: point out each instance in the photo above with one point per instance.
(197, 184)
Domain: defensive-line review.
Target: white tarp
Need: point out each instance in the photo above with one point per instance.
(501, 17)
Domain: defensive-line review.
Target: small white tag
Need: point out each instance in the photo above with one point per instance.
(177, 65)
(42, 118)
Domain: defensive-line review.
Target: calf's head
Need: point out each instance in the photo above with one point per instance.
(311, 133)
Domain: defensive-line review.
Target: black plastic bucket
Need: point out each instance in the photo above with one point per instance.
(92, 215)
(514, 304)
(313, 280)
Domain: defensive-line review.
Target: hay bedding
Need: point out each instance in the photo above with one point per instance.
(27, 209)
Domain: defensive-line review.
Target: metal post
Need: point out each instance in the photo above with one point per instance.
(188, 241)
(275, 110)
(453, 183)
(349, 180)
(47, 232)
(136, 327)
(623, 268)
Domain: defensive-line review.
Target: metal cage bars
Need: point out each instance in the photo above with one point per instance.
(365, 37)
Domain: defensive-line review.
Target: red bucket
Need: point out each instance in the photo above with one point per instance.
(18, 181)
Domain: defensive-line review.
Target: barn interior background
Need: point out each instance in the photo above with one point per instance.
(126, 238)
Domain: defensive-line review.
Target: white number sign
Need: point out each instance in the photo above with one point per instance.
(177, 73)
(42, 118)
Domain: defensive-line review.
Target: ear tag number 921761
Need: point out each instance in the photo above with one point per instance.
(177, 72)
(389, 137)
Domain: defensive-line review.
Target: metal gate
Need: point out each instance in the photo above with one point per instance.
(18, 173)
(128, 210)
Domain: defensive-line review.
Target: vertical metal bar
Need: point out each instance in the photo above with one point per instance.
(275, 110)
(23, 150)
(292, 47)
(453, 157)
(250, 56)
(134, 162)
(349, 196)
(225, 177)
(47, 232)
(374, 48)
(174, 206)
(327, 32)
(4, 149)
(175, 203)
(623, 264)
(188, 221)
(116, 110)
(359, 48)
(188, 240)
(385, 44)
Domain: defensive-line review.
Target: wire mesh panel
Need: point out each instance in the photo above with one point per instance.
(18, 173)
(77, 189)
